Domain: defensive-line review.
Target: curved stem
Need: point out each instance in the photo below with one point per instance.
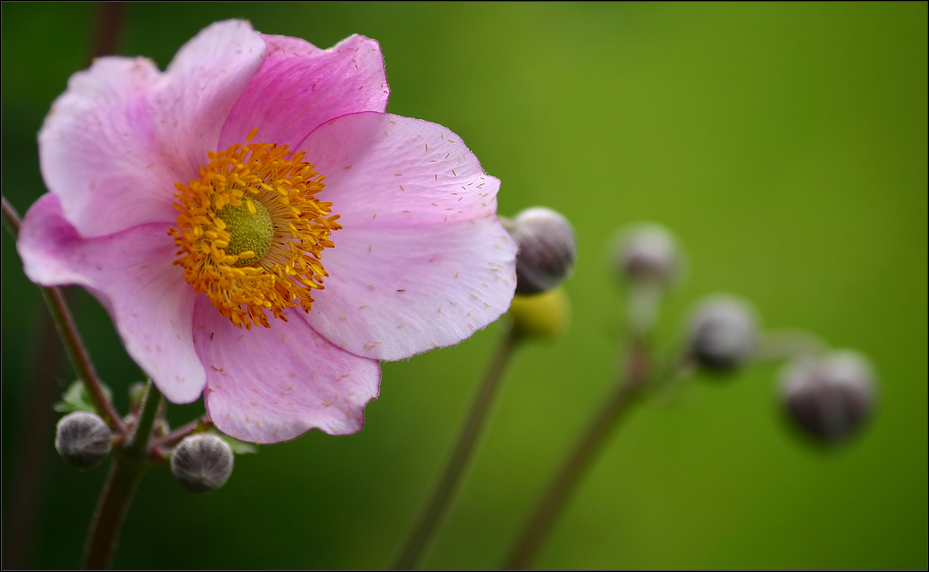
(175, 437)
(71, 338)
(433, 512)
(578, 461)
(129, 465)
(11, 218)
(80, 358)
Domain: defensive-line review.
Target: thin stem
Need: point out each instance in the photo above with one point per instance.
(71, 338)
(74, 345)
(137, 444)
(11, 218)
(175, 437)
(578, 461)
(433, 512)
(129, 465)
(788, 344)
(109, 19)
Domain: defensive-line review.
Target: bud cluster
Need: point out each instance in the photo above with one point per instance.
(829, 397)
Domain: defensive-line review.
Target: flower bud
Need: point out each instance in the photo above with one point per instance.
(547, 249)
(542, 317)
(723, 333)
(202, 463)
(829, 397)
(647, 254)
(83, 439)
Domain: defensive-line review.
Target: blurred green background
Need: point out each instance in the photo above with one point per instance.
(784, 144)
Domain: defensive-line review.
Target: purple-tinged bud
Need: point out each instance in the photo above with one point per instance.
(647, 253)
(202, 463)
(723, 333)
(829, 397)
(547, 249)
(83, 439)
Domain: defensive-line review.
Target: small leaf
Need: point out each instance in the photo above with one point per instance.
(238, 447)
(76, 398)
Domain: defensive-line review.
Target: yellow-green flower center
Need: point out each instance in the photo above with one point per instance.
(250, 230)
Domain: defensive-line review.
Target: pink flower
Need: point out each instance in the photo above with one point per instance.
(274, 278)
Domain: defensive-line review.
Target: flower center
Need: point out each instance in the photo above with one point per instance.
(251, 232)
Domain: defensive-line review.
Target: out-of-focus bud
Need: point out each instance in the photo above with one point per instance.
(202, 463)
(544, 316)
(547, 249)
(647, 254)
(829, 397)
(83, 439)
(723, 333)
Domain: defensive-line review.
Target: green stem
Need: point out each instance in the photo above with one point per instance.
(129, 464)
(433, 512)
(789, 344)
(578, 461)
(74, 345)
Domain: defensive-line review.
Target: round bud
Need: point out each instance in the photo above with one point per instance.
(647, 254)
(543, 316)
(83, 439)
(723, 333)
(202, 463)
(829, 397)
(547, 249)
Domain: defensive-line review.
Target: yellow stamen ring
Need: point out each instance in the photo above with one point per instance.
(251, 232)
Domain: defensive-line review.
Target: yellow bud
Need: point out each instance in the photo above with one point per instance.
(541, 316)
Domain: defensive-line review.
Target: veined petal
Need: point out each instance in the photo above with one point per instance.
(123, 133)
(386, 170)
(422, 260)
(148, 299)
(100, 153)
(267, 385)
(203, 83)
(300, 86)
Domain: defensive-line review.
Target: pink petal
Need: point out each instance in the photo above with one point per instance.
(117, 140)
(301, 86)
(267, 385)
(204, 81)
(146, 295)
(422, 260)
(99, 151)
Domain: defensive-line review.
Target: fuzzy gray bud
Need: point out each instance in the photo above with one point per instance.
(83, 439)
(547, 249)
(829, 397)
(723, 333)
(647, 254)
(202, 463)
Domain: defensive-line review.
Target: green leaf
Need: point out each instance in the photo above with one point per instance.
(238, 447)
(76, 398)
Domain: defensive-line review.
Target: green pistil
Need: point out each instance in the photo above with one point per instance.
(247, 231)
